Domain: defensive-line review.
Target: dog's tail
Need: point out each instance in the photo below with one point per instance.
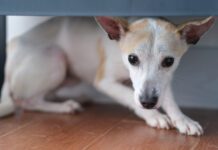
(6, 109)
(7, 106)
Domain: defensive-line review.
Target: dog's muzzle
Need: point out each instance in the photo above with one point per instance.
(149, 100)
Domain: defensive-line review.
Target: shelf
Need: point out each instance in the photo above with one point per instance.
(109, 7)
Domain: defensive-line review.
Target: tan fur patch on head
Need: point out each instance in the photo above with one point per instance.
(133, 39)
(167, 25)
(149, 31)
(143, 24)
(101, 68)
(138, 25)
(134, 36)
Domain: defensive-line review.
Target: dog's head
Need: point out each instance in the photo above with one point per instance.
(152, 49)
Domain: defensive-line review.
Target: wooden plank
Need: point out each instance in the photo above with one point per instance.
(58, 131)
(133, 134)
(102, 127)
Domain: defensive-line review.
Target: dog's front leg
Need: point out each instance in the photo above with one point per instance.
(179, 120)
(124, 95)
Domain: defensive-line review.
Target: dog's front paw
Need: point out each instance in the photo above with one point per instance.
(159, 120)
(185, 125)
(69, 106)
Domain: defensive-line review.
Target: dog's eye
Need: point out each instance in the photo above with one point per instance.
(133, 59)
(167, 62)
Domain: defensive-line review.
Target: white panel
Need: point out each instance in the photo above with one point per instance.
(17, 25)
(196, 80)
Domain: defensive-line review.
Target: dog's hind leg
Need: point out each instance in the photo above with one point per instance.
(6, 106)
(40, 104)
(40, 72)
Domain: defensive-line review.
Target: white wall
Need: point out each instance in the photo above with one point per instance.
(17, 25)
(196, 80)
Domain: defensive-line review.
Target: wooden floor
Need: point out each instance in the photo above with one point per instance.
(101, 127)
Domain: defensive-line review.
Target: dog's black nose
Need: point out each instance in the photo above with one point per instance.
(148, 101)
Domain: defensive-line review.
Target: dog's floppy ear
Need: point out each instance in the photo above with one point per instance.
(115, 27)
(192, 31)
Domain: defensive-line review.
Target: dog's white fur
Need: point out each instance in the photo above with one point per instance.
(38, 62)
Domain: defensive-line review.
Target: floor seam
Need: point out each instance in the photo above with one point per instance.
(104, 134)
(10, 132)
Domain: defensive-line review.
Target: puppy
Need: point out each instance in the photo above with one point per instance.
(147, 51)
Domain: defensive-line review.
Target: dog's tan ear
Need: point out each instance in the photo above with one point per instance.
(192, 31)
(115, 27)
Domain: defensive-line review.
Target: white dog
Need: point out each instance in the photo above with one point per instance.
(147, 51)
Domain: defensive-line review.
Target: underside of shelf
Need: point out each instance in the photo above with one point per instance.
(109, 7)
